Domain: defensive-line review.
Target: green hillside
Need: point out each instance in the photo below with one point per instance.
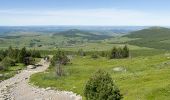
(83, 34)
(154, 37)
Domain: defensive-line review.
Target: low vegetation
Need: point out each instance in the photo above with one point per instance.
(154, 37)
(135, 66)
(59, 59)
(101, 87)
(13, 58)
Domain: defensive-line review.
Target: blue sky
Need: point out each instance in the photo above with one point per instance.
(85, 12)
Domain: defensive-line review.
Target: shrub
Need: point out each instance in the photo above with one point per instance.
(29, 61)
(7, 62)
(59, 59)
(101, 87)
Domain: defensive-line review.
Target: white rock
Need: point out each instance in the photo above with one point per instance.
(31, 67)
(119, 69)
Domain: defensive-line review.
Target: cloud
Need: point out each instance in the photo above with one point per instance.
(83, 17)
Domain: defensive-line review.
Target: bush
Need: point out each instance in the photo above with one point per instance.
(29, 61)
(7, 62)
(101, 87)
(2, 67)
(59, 59)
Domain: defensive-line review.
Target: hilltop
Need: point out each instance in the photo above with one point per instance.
(153, 37)
(80, 33)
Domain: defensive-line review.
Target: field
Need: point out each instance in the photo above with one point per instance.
(145, 75)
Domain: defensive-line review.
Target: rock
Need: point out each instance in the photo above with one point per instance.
(119, 69)
(1, 75)
(31, 67)
(49, 88)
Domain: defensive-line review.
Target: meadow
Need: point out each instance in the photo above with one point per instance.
(144, 75)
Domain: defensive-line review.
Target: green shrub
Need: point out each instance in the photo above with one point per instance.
(101, 87)
(29, 61)
(7, 62)
(59, 59)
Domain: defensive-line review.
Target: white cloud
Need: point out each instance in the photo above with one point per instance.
(82, 17)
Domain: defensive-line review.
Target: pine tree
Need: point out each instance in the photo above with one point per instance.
(113, 53)
(125, 51)
(22, 55)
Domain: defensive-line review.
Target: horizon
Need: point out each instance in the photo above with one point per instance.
(84, 13)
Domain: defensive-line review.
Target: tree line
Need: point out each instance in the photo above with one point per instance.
(114, 53)
(11, 56)
(119, 52)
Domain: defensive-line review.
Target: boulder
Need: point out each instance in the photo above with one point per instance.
(119, 69)
(31, 67)
(1, 75)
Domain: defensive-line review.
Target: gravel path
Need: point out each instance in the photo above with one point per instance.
(18, 88)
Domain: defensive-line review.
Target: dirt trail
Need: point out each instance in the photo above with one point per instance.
(18, 88)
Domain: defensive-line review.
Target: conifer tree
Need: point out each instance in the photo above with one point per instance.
(125, 51)
(22, 55)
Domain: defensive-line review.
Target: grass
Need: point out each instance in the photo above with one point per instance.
(11, 71)
(145, 78)
(147, 75)
(155, 37)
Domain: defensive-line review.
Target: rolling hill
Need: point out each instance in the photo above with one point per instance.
(82, 34)
(154, 37)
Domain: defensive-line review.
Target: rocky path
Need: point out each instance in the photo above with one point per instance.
(18, 88)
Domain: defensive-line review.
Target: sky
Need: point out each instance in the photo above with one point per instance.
(85, 12)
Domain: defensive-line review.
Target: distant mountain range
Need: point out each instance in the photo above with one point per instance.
(103, 30)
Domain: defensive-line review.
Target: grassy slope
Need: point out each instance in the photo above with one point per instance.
(147, 75)
(155, 37)
(144, 77)
(11, 71)
(50, 41)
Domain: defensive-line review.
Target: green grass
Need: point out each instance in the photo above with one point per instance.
(14, 70)
(11, 71)
(145, 78)
(147, 75)
(155, 37)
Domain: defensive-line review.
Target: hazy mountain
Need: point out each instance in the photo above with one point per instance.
(105, 30)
